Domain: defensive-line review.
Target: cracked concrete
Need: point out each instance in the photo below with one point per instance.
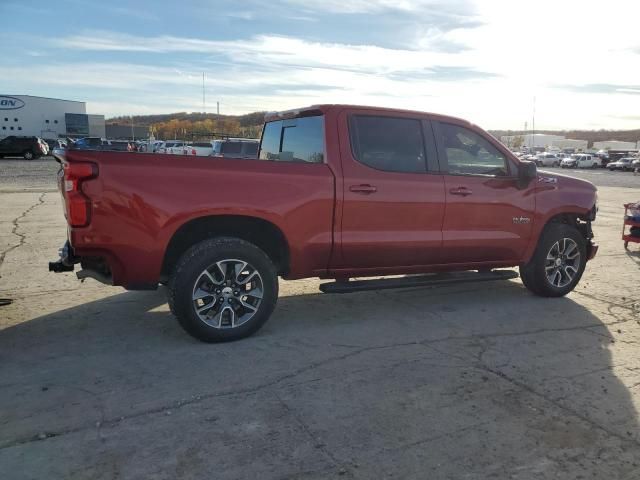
(468, 381)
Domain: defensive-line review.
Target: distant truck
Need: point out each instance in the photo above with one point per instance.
(236, 148)
(337, 192)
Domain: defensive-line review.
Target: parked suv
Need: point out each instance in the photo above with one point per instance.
(336, 192)
(581, 160)
(27, 147)
(547, 160)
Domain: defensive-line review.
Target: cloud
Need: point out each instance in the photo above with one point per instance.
(603, 88)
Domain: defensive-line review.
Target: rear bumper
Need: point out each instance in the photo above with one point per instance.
(592, 249)
(67, 261)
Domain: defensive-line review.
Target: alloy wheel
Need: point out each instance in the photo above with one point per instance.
(227, 294)
(562, 262)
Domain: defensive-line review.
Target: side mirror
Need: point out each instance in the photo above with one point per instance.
(527, 171)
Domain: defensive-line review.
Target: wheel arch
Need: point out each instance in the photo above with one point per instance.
(579, 219)
(262, 233)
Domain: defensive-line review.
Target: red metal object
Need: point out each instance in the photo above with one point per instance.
(627, 237)
(340, 218)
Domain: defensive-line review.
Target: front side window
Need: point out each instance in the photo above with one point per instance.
(388, 143)
(469, 153)
(294, 140)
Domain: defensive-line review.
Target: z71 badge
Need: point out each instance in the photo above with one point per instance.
(521, 220)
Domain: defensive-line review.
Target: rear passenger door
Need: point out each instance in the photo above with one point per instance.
(393, 196)
(488, 218)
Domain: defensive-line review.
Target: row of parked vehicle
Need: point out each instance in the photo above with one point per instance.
(229, 147)
(581, 160)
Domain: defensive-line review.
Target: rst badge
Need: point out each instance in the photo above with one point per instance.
(10, 103)
(521, 220)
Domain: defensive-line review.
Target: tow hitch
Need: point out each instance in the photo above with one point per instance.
(66, 261)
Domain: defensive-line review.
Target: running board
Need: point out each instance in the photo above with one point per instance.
(436, 279)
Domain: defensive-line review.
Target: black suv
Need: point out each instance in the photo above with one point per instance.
(27, 147)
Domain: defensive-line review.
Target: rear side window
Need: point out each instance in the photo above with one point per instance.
(469, 153)
(202, 144)
(294, 140)
(387, 143)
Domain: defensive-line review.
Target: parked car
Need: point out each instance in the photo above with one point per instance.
(121, 146)
(90, 143)
(236, 148)
(172, 147)
(623, 164)
(581, 160)
(336, 192)
(547, 160)
(635, 165)
(55, 143)
(27, 147)
(199, 149)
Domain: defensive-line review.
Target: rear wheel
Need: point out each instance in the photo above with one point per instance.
(556, 164)
(223, 289)
(558, 262)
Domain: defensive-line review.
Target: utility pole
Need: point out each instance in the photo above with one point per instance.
(133, 135)
(533, 123)
(204, 109)
(218, 107)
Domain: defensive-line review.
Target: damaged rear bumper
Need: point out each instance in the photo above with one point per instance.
(67, 261)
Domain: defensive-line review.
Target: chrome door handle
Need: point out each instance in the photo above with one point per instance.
(364, 189)
(463, 191)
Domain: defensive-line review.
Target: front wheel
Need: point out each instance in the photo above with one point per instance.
(28, 155)
(558, 262)
(223, 289)
(556, 164)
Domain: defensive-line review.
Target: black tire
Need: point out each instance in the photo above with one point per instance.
(202, 256)
(556, 164)
(28, 155)
(533, 274)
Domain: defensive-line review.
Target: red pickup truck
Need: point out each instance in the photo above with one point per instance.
(336, 192)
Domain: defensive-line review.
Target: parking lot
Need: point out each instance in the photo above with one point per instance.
(467, 381)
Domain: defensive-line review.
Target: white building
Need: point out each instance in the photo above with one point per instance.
(531, 140)
(47, 118)
(614, 145)
(577, 145)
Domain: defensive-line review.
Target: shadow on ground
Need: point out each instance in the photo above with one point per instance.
(477, 381)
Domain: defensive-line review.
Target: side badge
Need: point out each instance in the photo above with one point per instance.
(521, 220)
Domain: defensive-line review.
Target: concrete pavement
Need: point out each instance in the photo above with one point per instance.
(469, 381)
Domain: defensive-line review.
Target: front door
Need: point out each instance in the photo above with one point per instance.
(488, 217)
(393, 206)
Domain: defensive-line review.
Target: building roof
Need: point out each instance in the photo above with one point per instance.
(46, 98)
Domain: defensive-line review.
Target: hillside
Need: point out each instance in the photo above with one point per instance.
(250, 121)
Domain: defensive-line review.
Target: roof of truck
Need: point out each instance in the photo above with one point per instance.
(323, 108)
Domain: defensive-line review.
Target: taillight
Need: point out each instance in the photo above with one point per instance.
(78, 204)
(193, 151)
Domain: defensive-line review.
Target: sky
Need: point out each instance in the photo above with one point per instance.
(493, 62)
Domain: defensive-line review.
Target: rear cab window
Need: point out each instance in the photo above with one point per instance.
(294, 140)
